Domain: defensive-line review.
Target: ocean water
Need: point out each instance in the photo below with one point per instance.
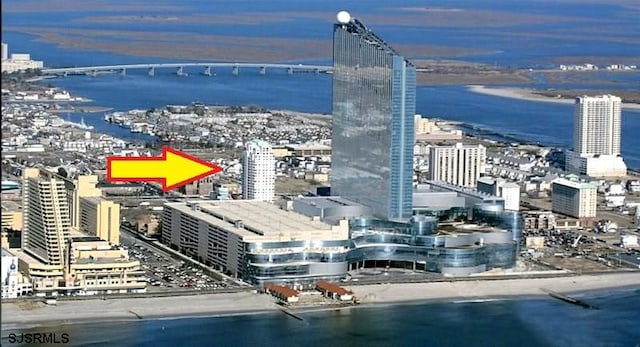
(590, 30)
(527, 322)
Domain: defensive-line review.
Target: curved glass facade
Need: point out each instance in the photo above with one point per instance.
(295, 261)
(417, 245)
(496, 216)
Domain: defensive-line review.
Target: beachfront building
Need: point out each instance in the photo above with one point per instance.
(258, 171)
(55, 255)
(423, 244)
(92, 266)
(257, 241)
(46, 216)
(458, 164)
(434, 240)
(596, 137)
(574, 199)
(374, 90)
(14, 284)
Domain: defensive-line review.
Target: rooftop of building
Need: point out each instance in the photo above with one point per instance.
(459, 145)
(327, 201)
(7, 253)
(251, 218)
(355, 26)
(85, 239)
(437, 187)
(575, 184)
(607, 97)
(10, 206)
(93, 199)
(257, 143)
(30, 259)
(468, 228)
(308, 146)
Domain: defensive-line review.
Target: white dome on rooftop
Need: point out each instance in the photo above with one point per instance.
(343, 17)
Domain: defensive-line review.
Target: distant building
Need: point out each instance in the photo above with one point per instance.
(220, 192)
(5, 51)
(575, 199)
(597, 125)
(428, 130)
(596, 138)
(11, 216)
(374, 93)
(603, 166)
(538, 220)
(458, 164)
(499, 187)
(257, 241)
(18, 61)
(258, 171)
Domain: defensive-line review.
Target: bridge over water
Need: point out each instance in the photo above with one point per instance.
(208, 68)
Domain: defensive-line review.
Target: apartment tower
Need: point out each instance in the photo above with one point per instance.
(458, 164)
(258, 171)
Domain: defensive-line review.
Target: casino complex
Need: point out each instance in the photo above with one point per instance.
(376, 217)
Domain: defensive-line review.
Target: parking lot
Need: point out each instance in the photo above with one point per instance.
(166, 273)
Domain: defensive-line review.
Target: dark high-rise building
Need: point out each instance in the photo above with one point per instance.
(374, 90)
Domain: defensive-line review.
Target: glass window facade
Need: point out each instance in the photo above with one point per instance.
(374, 91)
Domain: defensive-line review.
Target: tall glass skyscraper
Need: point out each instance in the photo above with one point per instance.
(374, 92)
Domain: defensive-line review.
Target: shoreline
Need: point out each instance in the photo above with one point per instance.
(17, 316)
(529, 95)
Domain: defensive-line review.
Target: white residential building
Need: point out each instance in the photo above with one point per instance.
(258, 171)
(597, 125)
(459, 164)
(575, 199)
(596, 137)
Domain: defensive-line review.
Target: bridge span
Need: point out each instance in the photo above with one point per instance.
(208, 68)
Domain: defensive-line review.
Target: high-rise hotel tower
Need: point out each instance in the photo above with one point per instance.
(46, 216)
(596, 137)
(597, 125)
(374, 92)
(258, 171)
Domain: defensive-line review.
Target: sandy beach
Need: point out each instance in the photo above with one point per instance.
(17, 314)
(528, 94)
(488, 289)
(28, 313)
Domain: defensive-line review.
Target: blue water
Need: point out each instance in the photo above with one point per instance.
(587, 30)
(532, 322)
